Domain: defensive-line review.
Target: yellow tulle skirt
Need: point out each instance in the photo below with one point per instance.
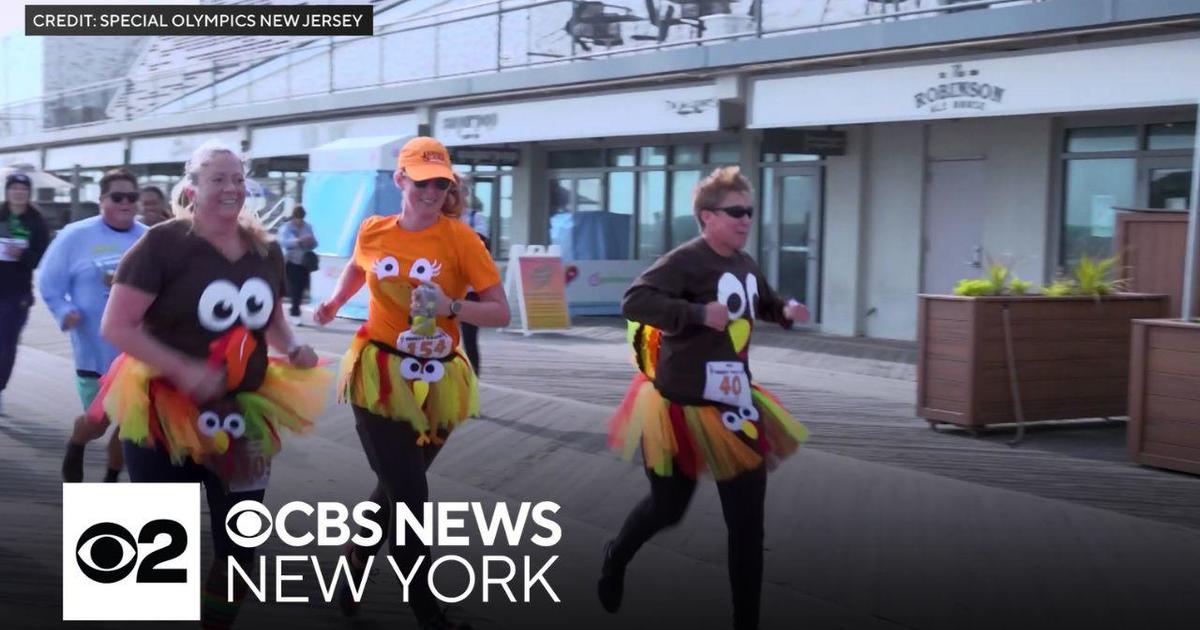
(432, 395)
(152, 413)
(723, 441)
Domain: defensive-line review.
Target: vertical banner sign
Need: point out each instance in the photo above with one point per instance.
(537, 278)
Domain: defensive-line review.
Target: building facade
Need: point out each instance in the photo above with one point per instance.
(892, 153)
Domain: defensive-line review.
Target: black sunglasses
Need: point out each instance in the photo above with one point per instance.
(441, 183)
(737, 212)
(122, 197)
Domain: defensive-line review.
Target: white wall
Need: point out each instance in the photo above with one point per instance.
(874, 201)
(1016, 192)
(893, 202)
(841, 263)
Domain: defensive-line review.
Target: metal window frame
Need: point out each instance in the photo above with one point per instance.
(1141, 119)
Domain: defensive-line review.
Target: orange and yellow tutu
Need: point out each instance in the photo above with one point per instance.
(433, 395)
(724, 441)
(152, 413)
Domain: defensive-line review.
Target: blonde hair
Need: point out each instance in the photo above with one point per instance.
(183, 206)
(710, 190)
(457, 196)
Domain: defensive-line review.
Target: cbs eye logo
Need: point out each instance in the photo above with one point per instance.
(248, 523)
(107, 553)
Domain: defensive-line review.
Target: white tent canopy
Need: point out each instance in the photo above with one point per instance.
(368, 153)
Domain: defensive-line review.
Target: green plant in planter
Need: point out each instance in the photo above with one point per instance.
(1091, 276)
(1019, 287)
(997, 281)
(974, 287)
(1088, 277)
(1059, 288)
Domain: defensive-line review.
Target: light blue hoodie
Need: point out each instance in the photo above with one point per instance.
(71, 278)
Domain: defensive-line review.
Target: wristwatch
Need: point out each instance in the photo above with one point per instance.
(455, 307)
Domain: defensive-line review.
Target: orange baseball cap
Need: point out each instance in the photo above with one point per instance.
(425, 158)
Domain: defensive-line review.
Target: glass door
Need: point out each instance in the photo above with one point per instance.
(1165, 183)
(791, 234)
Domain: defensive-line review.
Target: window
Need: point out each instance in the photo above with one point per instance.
(1171, 136)
(1170, 188)
(636, 205)
(790, 157)
(724, 153)
(683, 222)
(620, 193)
(652, 204)
(693, 154)
(584, 158)
(581, 225)
(1129, 172)
(1093, 189)
(1094, 139)
(654, 156)
(622, 157)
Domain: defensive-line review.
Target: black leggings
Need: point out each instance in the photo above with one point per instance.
(14, 312)
(297, 284)
(150, 465)
(742, 500)
(399, 465)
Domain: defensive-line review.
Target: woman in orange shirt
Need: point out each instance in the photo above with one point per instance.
(409, 388)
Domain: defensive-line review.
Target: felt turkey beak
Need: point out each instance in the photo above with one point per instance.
(398, 291)
(221, 442)
(739, 334)
(233, 350)
(420, 392)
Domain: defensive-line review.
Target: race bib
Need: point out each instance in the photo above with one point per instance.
(436, 346)
(244, 467)
(726, 382)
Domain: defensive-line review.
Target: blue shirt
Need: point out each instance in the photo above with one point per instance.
(289, 239)
(72, 279)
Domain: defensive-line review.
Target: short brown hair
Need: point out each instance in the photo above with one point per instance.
(710, 190)
(154, 190)
(115, 175)
(298, 212)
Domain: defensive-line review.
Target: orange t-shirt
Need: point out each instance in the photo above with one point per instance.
(396, 260)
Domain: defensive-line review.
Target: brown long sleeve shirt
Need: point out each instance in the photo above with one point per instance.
(671, 294)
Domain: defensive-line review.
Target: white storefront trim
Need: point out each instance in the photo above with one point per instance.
(1115, 77)
(178, 148)
(96, 154)
(672, 110)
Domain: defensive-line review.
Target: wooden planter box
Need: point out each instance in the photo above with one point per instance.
(1071, 355)
(1164, 394)
(1152, 246)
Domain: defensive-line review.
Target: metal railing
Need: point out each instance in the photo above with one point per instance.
(474, 39)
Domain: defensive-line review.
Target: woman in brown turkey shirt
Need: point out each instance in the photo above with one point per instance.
(196, 303)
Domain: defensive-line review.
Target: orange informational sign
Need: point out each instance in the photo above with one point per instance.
(536, 284)
(543, 292)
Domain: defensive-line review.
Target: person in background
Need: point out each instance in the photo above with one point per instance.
(154, 206)
(296, 238)
(23, 239)
(75, 280)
